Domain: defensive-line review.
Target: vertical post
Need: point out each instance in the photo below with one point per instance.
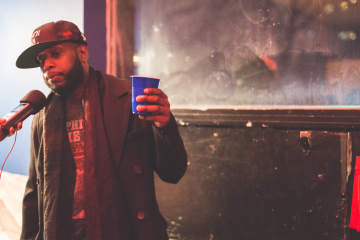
(120, 37)
(110, 45)
(349, 155)
(346, 167)
(343, 160)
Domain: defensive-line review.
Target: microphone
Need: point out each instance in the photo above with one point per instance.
(30, 104)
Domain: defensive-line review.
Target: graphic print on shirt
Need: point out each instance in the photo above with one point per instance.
(75, 129)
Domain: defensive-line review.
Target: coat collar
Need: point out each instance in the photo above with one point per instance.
(117, 110)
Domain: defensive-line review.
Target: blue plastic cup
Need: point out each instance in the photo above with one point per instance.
(138, 84)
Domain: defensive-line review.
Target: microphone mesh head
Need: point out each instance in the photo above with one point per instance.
(36, 98)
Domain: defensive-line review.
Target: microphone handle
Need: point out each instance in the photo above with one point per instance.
(17, 115)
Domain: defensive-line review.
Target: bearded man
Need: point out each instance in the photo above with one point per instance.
(92, 165)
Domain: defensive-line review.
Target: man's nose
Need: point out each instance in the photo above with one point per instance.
(48, 64)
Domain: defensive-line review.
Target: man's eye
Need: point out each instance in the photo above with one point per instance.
(56, 54)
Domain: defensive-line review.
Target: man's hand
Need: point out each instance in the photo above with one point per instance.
(11, 130)
(160, 110)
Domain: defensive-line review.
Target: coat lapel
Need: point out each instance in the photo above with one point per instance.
(117, 108)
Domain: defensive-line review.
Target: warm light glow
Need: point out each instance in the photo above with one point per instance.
(353, 1)
(344, 5)
(156, 28)
(342, 35)
(328, 9)
(352, 35)
(136, 58)
(347, 35)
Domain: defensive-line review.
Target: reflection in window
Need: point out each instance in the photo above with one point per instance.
(244, 52)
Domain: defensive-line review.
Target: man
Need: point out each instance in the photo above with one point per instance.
(92, 161)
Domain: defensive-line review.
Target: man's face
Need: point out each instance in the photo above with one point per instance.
(61, 68)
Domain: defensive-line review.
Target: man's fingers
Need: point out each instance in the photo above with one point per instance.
(155, 91)
(154, 109)
(19, 126)
(153, 99)
(11, 131)
(160, 107)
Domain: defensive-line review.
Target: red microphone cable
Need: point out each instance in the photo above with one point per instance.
(8, 155)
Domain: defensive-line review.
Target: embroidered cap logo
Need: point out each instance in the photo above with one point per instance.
(67, 34)
(33, 37)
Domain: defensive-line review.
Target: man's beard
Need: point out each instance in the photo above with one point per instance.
(73, 79)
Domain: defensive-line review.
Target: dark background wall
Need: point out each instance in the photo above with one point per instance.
(257, 183)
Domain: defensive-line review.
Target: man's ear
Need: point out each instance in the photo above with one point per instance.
(83, 52)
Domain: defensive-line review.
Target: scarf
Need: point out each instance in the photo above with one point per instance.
(101, 197)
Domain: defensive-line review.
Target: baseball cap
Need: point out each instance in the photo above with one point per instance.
(46, 36)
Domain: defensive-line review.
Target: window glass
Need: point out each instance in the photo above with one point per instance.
(231, 53)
